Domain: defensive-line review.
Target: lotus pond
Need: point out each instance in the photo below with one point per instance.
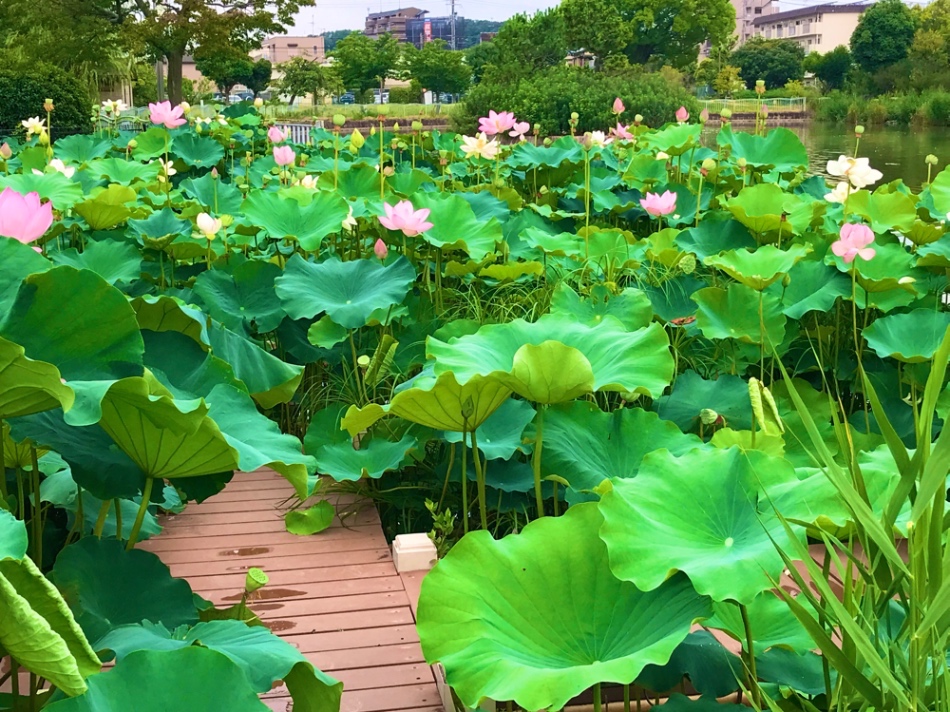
(671, 408)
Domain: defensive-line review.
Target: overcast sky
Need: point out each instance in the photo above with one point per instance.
(350, 14)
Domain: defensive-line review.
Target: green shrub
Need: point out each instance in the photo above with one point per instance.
(936, 108)
(22, 94)
(404, 95)
(834, 107)
(549, 96)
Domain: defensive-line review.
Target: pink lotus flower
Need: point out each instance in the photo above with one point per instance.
(704, 115)
(403, 216)
(164, 114)
(519, 129)
(682, 115)
(284, 155)
(496, 123)
(854, 242)
(621, 132)
(6, 153)
(657, 205)
(380, 249)
(275, 135)
(618, 108)
(23, 217)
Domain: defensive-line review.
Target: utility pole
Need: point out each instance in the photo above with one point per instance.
(454, 37)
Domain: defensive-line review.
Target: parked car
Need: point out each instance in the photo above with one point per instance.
(347, 98)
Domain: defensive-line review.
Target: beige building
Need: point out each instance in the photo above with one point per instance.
(391, 21)
(819, 28)
(747, 11)
(281, 48)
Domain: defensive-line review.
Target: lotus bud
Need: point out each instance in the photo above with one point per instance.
(707, 416)
(395, 128)
(417, 125)
(258, 103)
(388, 171)
(380, 249)
(547, 142)
(185, 106)
(536, 129)
(198, 127)
(858, 130)
(5, 151)
(255, 580)
(43, 139)
(543, 190)
(786, 280)
(764, 110)
(726, 114)
(214, 173)
(931, 159)
(356, 140)
(704, 116)
(662, 156)
(339, 120)
(709, 165)
(426, 134)
(132, 144)
(638, 119)
(48, 105)
(742, 163)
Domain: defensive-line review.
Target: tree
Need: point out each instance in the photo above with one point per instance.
(479, 56)
(832, 68)
(728, 81)
(471, 33)
(171, 28)
(301, 76)
(331, 38)
(883, 36)
(525, 45)
(261, 73)
(364, 63)
(440, 70)
(225, 67)
(596, 26)
(775, 61)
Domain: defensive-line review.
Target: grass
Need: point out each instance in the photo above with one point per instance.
(360, 111)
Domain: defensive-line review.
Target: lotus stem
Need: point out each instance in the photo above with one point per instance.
(626, 698)
(480, 479)
(3, 464)
(140, 516)
(15, 683)
(536, 460)
(101, 519)
(37, 519)
(750, 659)
(464, 485)
(597, 706)
(21, 500)
(118, 518)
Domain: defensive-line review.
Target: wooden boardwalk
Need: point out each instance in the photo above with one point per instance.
(335, 595)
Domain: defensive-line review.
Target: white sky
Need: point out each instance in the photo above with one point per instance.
(350, 14)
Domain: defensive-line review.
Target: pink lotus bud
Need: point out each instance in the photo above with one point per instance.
(214, 172)
(704, 116)
(682, 115)
(380, 249)
(275, 135)
(6, 152)
(618, 106)
(284, 155)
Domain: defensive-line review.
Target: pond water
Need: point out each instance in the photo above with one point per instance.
(896, 152)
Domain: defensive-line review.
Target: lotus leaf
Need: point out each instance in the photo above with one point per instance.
(312, 520)
(698, 513)
(766, 208)
(161, 225)
(28, 386)
(803, 672)
(631, 307)
(19, 261)
(13, 539)
(54, 187)
(738, 312)
(885, 211)
(111, 260)
(282, 217)
(123, 172)
(501, 434)
(780, 148)
(192, 678)
(108, 208)
(553, 359)
(81, 148)
(213, 194)
(455, 225)
(727, 395)
(264, 658)
(244, 297)
(565, 149)
(151, 143)
(912, 337)
(771, 621)
(482, 614)
(107, 587)
(712, 670)
(717, 232)
(338, 455)
(674, 140)
(813, 286)
(760, 268)
(197, 150)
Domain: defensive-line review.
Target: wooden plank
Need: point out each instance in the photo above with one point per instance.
(332, 660)
(370, 678)
(270, 563)
(350, 640)
(405, 697)
(301, 547)
(322, 589)
(349, 621)
(237, 540)
(182, 528)
(301, 608)
(294, 577)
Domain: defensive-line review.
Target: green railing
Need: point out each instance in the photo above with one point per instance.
(750, 106)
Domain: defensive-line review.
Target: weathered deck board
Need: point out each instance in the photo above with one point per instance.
(335, 595)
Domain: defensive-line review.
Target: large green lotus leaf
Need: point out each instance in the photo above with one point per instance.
(585, 445)
(215, 195)
(711, 669)
(108, 208)
(118, 170)
(681, 703)
(765, 207)
(801, 672)
(197, 150)
(82, 148)
(559, 244)
(282, 217)
(313, 520)
(728, 395)
(107, 586)
(780, 149)
(335, 454)
(192, 678)
(440, 403)
(771, 621)
(644, 170)
(527, 155)
(183, 366)
(62, 192)
(733, 313)
(256, 438)
(348, 291)
(759, 268)
(454, 225)
(113, 261)
(38, 629)
(243, 297)
(358, 182)
(13, 539)
(675, 139)
(264, 658)
(19, 261)
(81, 324)
(891, 263)
(940, 191)
(161, 225)
(164, 437)
(631, 307)
(697, 513)
(501, 434)
(717, 232)
(487, 612)
(912, 337)
(885, 211)
(813, 286)
(603, 357)
(28, 386)
(151, 143)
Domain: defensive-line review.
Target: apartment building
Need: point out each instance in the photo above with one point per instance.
(391, 21)
(281, 48)
(747, 11)
(819, 28)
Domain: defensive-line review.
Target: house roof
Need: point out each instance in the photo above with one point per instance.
(405, 12)
(851, 8)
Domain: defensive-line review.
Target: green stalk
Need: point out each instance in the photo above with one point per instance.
(626, 698)
(15, 684)
(118, 518)
(480, 479)
(3, 464)
(140, 516)
(597, 704)
(37, 519)
(101, 519)
(750, 653)
(536, 460)
(464, 484)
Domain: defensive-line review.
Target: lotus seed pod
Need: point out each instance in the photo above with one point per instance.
(708, 416)
(638, 119)
(858, 130)
(709, 165)
(363, 361)
(255, 579)
(726, 114)
(339, 120)
(226, 220)
(417, 125)
(575, 116)
(688, 263)
(547, 142)
(132, 144)
(931, 159)
(48, 105)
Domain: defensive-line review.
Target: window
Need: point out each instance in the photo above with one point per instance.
(768, 33)
(807, 28)
(809, 42)
(758, 11)
(791, 30)
(818, 41)
(291, 44)
(778, 31)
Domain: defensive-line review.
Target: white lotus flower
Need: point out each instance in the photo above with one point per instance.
(34, 125)
(662, 156)
(208, 225)
(479, 146)
(349, 222)
(857, 170)
(839, 194)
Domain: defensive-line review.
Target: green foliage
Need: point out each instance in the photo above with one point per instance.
(437, 69)
(22, 93)
(364, 63)
(774, 61)
(225, 67)
(301, 76)
(832, 68)
(883, 36)
(524, 45)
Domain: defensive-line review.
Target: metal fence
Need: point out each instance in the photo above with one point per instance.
(751, 106)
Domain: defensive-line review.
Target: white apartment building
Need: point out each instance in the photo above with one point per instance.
(819, 28)
(746, 12)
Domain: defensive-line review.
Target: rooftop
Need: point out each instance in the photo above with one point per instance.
(405, 12)
(852, 8)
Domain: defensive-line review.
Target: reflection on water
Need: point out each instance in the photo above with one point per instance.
(896, 152)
